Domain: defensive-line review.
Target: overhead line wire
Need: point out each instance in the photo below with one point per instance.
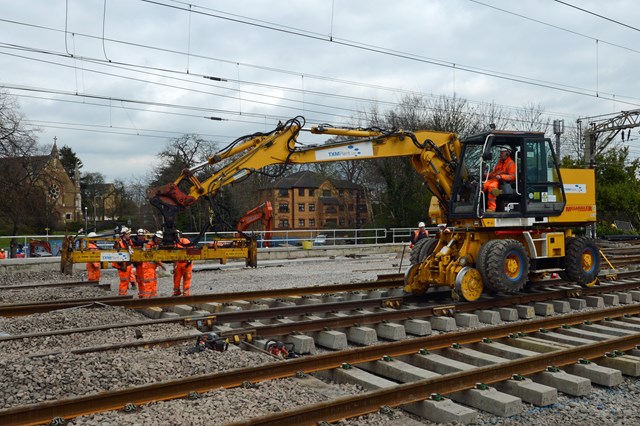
(539, 83)
(557, 27)
(598, 15)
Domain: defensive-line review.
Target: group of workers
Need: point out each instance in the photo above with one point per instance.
(145, 277)
(422, 232)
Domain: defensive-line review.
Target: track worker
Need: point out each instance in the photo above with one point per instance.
(125, 270)
(146, 271)
(504, 171)
(418, 234)
(3, 254)
(93, 268)
(182, 270)
(140, 239)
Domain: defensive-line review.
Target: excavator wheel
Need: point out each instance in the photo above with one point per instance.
(507, 266)
(469, 284)
(582, 261)
(481, 263)
(422, 249)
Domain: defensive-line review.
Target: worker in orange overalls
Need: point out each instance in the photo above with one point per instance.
(125, 270)
(504, 171)
(3, 254)
(93, 268)
(182, 270)
(146, 271)
(139, 241)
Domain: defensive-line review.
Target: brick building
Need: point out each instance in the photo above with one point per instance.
(307, 200)
(62, 194)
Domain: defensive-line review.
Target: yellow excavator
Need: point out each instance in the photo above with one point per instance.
(529, 234)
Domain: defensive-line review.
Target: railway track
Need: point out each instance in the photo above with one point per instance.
(271, 322)
(526, 362)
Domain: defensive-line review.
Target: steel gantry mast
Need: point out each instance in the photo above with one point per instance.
(599, 132)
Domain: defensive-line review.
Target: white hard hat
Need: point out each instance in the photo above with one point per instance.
(504, 148)
(125, 230)
(159, 234)
(140, 231)
(421, 225)
(92, 235)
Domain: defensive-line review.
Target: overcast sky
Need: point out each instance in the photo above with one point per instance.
(116, 79)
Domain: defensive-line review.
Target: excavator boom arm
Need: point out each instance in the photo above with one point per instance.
(433, 154)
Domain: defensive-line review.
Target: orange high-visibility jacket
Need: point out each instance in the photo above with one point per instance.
(504, 170)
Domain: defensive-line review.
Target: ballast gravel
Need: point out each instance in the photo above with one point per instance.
(30, 380)
(33, 380)
(81, 318)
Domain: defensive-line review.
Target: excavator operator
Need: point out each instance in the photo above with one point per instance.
(504, 171)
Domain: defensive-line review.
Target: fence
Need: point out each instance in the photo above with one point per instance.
(287, 238)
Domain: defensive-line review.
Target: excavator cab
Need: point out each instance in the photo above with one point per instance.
(537, 190)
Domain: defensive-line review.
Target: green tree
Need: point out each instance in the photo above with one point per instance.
(617, 186)
(69, 160)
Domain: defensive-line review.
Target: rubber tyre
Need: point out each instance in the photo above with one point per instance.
(481, 263)
(507, 266)
(582, 260)
(422, 249)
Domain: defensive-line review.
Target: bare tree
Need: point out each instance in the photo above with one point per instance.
(22, 182)
(531, 118)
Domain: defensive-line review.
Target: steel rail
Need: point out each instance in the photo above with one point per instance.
(210, 319)
(54, 285)
(369, 402)
(129, 302)
(384, 281)
(104, 401)
(20, 309)
(205, 322)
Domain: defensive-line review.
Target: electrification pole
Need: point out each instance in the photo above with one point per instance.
(558, 129)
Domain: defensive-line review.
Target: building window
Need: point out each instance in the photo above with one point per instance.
(312, 207)
(312, 192)
(283, 192)
(301, 192)
(301, 223)
(341, 221)
(54, 191)
(283, 208)
(67, 216)
(341, 192)
(284, 223)
(312, 222)
(326, 193)
(300, 207)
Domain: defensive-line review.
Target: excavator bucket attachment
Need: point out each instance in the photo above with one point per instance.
(169, 199)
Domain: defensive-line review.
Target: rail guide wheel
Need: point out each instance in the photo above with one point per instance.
(469, 284)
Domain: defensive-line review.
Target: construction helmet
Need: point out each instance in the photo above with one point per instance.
(159, 234)
(125, 230)
(140, 231)
(92, 235)
(421, 225)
